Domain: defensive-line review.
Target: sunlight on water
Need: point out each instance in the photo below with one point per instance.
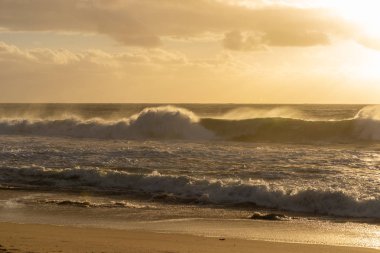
(137, 166)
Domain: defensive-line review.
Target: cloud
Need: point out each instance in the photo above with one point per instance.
(13, 53)
(65, 57)
(239, 41)
(145, 22)
(372, 42)
(75, 15)
(159, 75)
(51, 75)
(30, 64)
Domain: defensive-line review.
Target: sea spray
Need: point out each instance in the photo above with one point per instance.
(161, 122)
(169, 122)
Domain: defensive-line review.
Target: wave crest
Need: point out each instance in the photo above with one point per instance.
(371, 112)
(170, 122)
(160, 122)
(185, 188)
(167, 122)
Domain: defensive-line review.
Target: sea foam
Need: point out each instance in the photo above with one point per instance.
(198, 190)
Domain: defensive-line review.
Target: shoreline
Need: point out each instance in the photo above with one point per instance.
(25, 208)
(52, 238)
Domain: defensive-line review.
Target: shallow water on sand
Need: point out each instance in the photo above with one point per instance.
(210, 221)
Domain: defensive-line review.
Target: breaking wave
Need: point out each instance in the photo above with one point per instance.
(185, 188)
(89, 204)
(160, 122)
(279, 125)
(295, 130)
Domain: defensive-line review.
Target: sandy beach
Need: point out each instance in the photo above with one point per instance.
(49, 238)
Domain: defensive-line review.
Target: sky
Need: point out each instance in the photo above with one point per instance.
(190, 51)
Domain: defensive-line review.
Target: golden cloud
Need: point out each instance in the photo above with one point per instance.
(144, 22)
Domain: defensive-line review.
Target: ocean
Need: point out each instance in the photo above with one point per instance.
(113, 163)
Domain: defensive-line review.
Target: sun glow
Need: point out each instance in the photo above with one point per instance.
(364, 13)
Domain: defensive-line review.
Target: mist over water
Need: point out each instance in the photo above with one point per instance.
(237, 123)
(227, 111)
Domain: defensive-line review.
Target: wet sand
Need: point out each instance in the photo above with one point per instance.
(49, 238)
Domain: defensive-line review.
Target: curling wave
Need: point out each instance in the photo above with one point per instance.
(177, 123)
(185, 188)
(160, 122)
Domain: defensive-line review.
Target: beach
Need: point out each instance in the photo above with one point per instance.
(49, 238)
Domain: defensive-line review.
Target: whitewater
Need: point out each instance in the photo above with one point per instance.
(168, 122)
(312, 160)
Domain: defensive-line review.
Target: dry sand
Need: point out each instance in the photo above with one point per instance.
(49, 238)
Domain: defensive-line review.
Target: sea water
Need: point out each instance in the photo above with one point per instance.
(113, 163)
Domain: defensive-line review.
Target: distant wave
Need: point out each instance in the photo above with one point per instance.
(295, 130)
(177, 123)
(365, 126)
(160, 122)
(185, 188)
